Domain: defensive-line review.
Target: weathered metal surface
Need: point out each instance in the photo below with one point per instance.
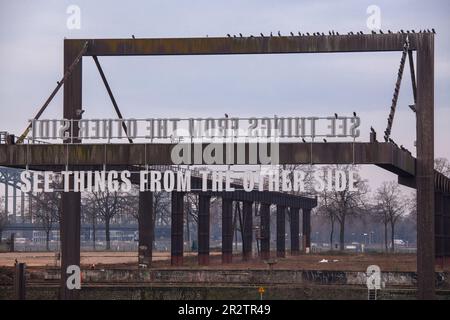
(295, 230)
(145, 221)
(70, 222)
(442, 225)
(247, 45)
(203, 229)
(425, 167)
(247, 234)
(265, 230)
(281, 231)
(227, 230)
(176, 244)
(385, 155)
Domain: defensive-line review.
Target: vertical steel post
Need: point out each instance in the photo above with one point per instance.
(145, 221)
(19, 281)
(204, 202)
(425, 166)
(265, 230)
(71, 201)
(281, 231)
(247, 238)
(295, 226)
(227, 230)
(306, 223)
(177, 241)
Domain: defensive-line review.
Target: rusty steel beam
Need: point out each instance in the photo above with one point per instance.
(204, 203)
(295, 229)
(385, 155)
(281, 231)
(306, 230)
(247, 45)
(247, 232)
(227, 230)
(111, 96)
(425, 168)
(265, 230)
(71, 201)
(145, 221)
(176, 245)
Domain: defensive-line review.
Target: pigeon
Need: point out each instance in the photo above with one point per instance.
(432, 30)
(292, 34)
(307, 33)
(279, 33)
(389, 31)
(303, 139)
(228, 35)
(133, 36)
(336, 115)
(240, 35)
(354, 113)
(262, 35)
(324, 140)
(226, 115)
(271, 34)
(299, 34)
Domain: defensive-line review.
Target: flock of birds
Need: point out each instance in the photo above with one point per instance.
(332, 33)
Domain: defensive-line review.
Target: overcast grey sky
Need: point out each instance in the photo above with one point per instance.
(32, 33)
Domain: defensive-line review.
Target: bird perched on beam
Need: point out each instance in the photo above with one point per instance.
(262, 35)
(132, 36)
(279, 33)
(303, 139)
(292, 34)
(336, 115)
(354, 113)
(299, 34)
(226, 115)
(228, 35)
(240, 35)
(324, 140)
(432, 30)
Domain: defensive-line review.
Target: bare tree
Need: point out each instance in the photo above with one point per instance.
(340, 204)
(107, 205)
(47, 211)
(443, 166)
(391, 204)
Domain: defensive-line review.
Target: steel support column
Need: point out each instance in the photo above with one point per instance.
(177, 240)
(425, 167)
(281, 231)
(203, 229)
(227, 230)
(145, 221)
(306, 223)
(295, 226)
(247, 234)
(265, 230)
(71, 201)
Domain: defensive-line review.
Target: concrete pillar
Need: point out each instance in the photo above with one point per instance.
(227, 230)
(281, 231)
(177, 242)
(145, 222)
(295, 226)
(204, 202)
(265, 230)
(306, 229)
(425, 167)
(247, 238)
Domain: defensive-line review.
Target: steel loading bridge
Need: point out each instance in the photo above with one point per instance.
(433, 189)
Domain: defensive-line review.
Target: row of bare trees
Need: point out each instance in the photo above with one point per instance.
(389, 203)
